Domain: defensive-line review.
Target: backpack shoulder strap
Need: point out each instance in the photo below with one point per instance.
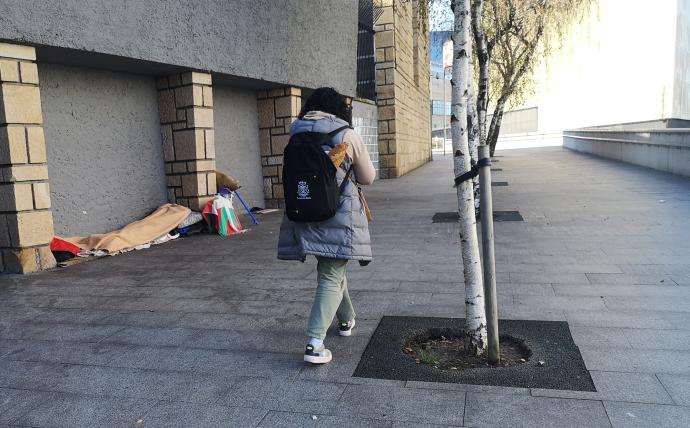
(349, 170)
(346, 179)
(337, 131)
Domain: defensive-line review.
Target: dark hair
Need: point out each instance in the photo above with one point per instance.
(328, 100)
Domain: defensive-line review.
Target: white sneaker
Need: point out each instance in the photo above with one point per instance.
(317, 356)
(345, 328)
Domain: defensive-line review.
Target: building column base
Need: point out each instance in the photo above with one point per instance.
(26, 220)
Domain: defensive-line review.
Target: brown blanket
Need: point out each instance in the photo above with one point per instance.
(157, 224)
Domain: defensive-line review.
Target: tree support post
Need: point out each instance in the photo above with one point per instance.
(489, 259)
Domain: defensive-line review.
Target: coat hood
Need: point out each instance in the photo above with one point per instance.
(317, 121)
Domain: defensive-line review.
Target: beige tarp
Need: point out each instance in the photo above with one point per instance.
(159, 223)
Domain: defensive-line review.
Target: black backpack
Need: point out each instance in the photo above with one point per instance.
(310, 186)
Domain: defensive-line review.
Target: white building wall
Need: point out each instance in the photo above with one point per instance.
(681, 85)
(615, 66)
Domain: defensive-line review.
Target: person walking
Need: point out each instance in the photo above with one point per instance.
(340, 238)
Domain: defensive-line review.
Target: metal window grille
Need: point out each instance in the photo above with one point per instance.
(366, 62)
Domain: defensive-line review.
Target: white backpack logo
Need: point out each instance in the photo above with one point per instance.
(303, 190)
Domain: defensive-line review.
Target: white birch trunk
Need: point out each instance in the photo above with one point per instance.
(473, 133)
(475, 317)
(483, 63)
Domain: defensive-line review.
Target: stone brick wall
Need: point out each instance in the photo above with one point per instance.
(402, 79)
(26, 221)
(277, 108)
(186, 113)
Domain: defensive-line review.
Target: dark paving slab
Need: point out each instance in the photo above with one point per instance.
(499, 216)
(549, 341)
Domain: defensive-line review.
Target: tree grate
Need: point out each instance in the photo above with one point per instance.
(555, 362)
(499, 216)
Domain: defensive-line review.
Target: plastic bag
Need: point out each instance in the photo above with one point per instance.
(220, 214)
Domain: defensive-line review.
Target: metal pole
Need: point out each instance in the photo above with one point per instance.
(444, 111)
(246, 208)
(489, 260)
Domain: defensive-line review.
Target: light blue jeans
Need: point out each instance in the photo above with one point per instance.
(331, 297)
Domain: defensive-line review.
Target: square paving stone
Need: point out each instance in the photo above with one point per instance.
(79, 411)
(678, 387)
(549, 341)
(634, 387)
(402, 404)
(493, 410)
(175, 414)
(18, 402)
(63, 352)
(299, 420)
(599, 337)
(636, 415)
(658, 339)
(29, 374)
(144, 384)
(283, 394)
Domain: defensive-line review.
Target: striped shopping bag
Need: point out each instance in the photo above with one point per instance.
(220, 214)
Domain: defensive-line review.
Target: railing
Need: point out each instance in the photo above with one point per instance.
(661, 149)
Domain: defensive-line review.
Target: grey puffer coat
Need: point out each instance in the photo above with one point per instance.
(344, 236)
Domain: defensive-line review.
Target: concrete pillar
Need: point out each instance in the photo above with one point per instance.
(385, 87)
(278, 108)
(185, 104)
(26, 221)
(402, 86)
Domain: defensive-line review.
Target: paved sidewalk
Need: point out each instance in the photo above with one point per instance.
(209, 331)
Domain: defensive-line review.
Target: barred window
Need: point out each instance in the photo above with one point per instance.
(366, 60)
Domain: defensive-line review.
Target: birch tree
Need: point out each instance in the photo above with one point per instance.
(511, 38)
(482, 98)
(473, 136)
(475, 317)
(441, 20)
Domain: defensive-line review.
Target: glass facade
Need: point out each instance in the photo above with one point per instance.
(439, 108)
